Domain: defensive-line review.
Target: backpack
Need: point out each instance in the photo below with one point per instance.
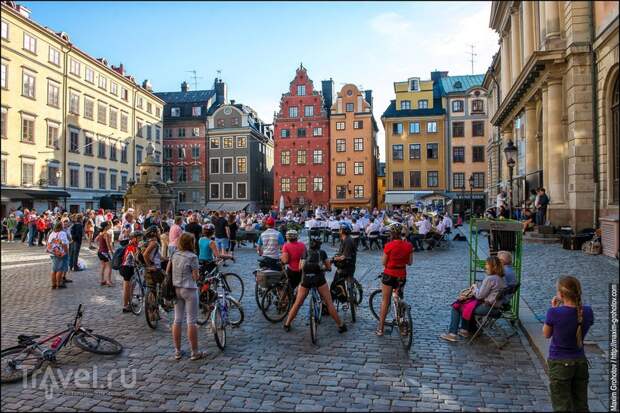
(117, 257)
(312, 263)
(55, 248)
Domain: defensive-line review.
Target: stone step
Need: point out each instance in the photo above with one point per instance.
(535, 238)
(534, 234)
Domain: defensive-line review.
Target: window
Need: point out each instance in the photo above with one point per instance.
(242, 142)
(301, 132)
(114, 88)
(358, 124)
(53, 94)
(124, 121)
(124, 152)
(139, 129)
(317, 132)
(317, 157)
(167, 173)
(4, 82)
(358, 191)
(54, 56)
(397, 179)
(227, 142)
(358, 144)
(432, 179)
(458, 154)
(139, 102)
(615, 131)
(181, 152)
(195, 152)
(308, 111)
(477, 128)
(458, 180)
(432, 151)
(242, 190)
(301, 90)
(102, 179)
(214, 191)
(292, 112)
(414, 85)
(74, 67)
(182, 196)
(181, 132)
(195, 132)
(457, 106)
(149, 107)
(341, 192)
(285, 184)
(458, 129)
(397, 152)
(477, 106)
(102, 113)
(422, 104)
(88, 144)
(112, 151)
(341, 168)
(405, 104)
(157, 134)
(89, 74)
(302, 184)
(28, 85)
(301, 157)
(167, 153)
(124, 94)
(149, 131)
(227, 165)
(339, 125)
(285, 133)
(89, 106)
(158, 112)
(5, 32)
(101, 149)
(88, 179)
(138, 155)
(415, 179)
(52, 135)
(317, 184)
(242, 165)
(123, 182)
(214, 143)
(358, 168)
(397, 128)
(3, 162)
(215, 166)
(3, 123)
(431, 127)
(341, 145)
(52, 175)
(195, 173)
(181, 174)
(478, 179)
(27, 129)
(349, 107)
(30, 43)
(175, 112)
(415, 151)
(167, 133)
(196, 111)
(74, 177)
(414, 127)
(285, 157)
(113, 182)
(113, 118)
(478, 153)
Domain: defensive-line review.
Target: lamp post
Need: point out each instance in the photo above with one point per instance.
(471, 196)
(510, 151)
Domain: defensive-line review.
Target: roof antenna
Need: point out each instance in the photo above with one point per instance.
(219, 73)
(195, 78)
(472, 54)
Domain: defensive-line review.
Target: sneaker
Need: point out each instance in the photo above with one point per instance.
(449, 337)
(463, 333)
(343, 328)
(287, 328)
(67, 280)
(197, 356)
(126, 310)
(62, 286)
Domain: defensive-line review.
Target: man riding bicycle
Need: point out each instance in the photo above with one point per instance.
(345, 259)
(397, 254)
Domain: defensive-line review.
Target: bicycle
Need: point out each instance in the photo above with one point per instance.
(231, 281)
(28, 356)
(277, 299)
(400, 312)
(155, 305)
(353, 292)
(136, 303)
(315, 314)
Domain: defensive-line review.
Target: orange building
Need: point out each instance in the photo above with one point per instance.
(353, 149)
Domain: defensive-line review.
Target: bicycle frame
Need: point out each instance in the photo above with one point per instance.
(49, 353)
(316, 298)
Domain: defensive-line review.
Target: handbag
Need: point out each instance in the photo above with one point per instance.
(465, 294)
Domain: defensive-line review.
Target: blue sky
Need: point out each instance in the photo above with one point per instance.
(258, 45)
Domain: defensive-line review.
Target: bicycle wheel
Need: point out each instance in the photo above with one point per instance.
(374, 302)
(96, 343)
(259, 293)
(405, 325)
(18, 362)
(314, 325)
(204, 313)
(235, 285)
(276, 303)
(218, 326)
(360, 291)
(136, 302)
(151, 308)
(235, 312)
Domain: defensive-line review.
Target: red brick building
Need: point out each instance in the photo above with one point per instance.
(301, 155)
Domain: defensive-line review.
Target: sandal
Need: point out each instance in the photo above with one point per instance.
(197, 356)
(178, 355)
(287, 328)
(379, 333)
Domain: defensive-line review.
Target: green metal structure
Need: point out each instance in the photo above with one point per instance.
(504, 235)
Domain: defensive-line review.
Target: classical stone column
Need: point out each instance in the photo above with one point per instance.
(555, 142)
(531, 144)
(515, 44)
(506, 79)
(552, 19)
(545, 135)
(528, 29)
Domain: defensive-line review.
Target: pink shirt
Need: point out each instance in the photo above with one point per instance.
(295, 251)
(175, 234)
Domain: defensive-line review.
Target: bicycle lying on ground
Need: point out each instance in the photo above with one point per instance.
(29, 354)
(400, 312)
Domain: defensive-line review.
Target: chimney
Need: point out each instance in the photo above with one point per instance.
(147, 85)
(119, 69)
(221, 92)
(436, 75)
(368, 95)
(232, 101)
(327, 87)
(184, 87)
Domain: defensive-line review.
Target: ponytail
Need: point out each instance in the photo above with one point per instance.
(579, 316)
(571, 289)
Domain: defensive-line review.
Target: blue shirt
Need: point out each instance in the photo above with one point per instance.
(204, 247)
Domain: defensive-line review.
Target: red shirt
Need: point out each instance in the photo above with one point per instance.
(397, 252)
(295, 251)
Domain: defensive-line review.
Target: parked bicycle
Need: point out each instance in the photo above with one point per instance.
(277, 299)
(155, 307)
(138, 287)
(399, 311)
(30, 354)
(353, 292)
(231, 282)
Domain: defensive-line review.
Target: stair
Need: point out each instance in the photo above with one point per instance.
(535, 237)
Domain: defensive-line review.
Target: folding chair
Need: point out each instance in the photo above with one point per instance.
(488, 323)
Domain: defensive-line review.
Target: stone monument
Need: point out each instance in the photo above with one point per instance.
(150, 192)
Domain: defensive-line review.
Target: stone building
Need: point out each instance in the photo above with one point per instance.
(353, 148)
(557, 76)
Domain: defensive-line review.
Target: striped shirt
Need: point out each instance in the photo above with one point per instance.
(271, 241)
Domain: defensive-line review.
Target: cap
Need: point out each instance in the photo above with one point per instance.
(270, 221)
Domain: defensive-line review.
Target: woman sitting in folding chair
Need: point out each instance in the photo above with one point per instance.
(480, 303)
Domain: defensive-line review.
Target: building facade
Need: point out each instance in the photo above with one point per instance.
(240, 159)
(73, 127)
(466, 130)
(185, 142)
(558, 71)
(415, 150)
(302, 150)
(353, 148)
(381, 185)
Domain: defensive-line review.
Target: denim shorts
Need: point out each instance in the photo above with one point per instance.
(65, 263)
(221, 243)
(57, 263)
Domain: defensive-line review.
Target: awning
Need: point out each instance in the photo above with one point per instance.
(213, 206)
(47, 194)
(404, 197)
(467, 195)
(234, 206)
(14, 194)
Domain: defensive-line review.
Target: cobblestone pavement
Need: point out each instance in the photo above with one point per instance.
(264, 368)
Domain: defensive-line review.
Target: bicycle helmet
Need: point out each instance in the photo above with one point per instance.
(291, 234)
(151, 231)
(315, 243)
(345, 227)
(136, 234)
(396, 229)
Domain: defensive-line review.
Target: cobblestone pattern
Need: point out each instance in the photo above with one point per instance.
(264, 368)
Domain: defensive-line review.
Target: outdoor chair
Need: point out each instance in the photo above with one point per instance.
(488, 324)
(355, 235)
(373, 239)
(335, 236)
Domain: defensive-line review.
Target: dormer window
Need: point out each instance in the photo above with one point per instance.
(175, 112)
(458, 85)
(301, 90)
(414, 85)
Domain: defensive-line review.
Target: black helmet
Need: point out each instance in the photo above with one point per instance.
(136, 234)
(151, 231)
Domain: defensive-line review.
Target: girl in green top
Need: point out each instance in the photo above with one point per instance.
(10, 223)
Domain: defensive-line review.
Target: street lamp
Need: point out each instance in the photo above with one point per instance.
(510, 151)
(471, 197)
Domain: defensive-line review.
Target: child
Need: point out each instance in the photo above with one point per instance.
(567, 324)
(127, 269)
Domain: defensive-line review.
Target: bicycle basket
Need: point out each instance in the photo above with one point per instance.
(268, 278)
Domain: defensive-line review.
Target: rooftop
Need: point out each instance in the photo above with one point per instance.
(456, 84)
(392, 112)
(190, 96)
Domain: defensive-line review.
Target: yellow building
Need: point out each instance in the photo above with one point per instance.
(381, 185)
(415, 141)
(73, 127)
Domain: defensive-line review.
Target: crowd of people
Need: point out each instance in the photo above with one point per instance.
(532, 212)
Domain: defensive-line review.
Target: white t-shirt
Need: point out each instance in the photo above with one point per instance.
(61, 235)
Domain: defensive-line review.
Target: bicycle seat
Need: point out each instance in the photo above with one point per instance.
(22, 338)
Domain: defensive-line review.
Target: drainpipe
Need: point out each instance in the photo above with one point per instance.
(64, 119)
(595, 130)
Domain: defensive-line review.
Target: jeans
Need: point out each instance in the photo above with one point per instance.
(456, 318)
(416, 240)
(186, 306)
(32, 231)
(74, 252)
(568, 384)
(541, 215)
